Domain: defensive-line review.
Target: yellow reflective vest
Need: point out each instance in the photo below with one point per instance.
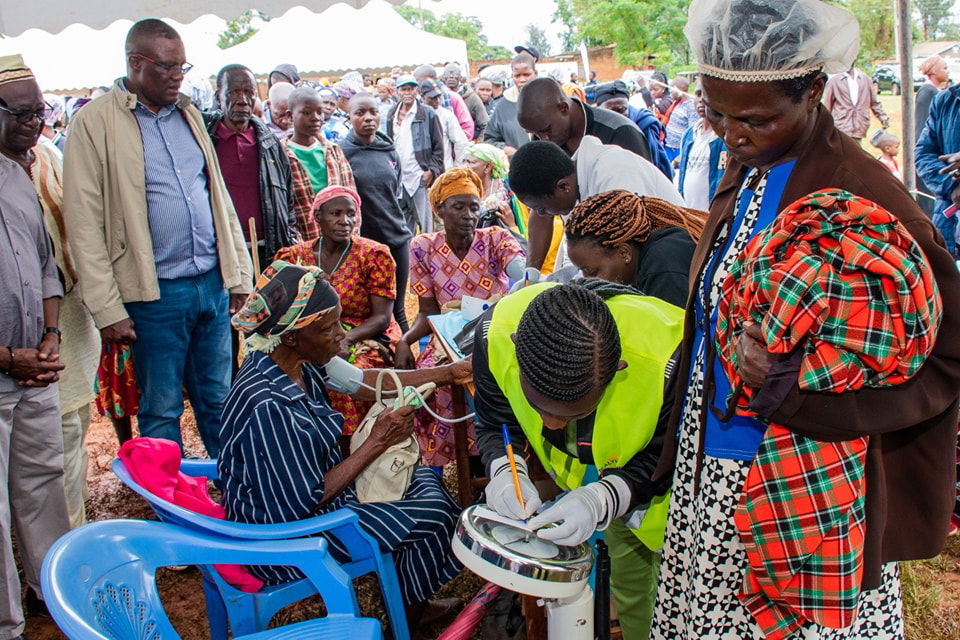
(626, 418)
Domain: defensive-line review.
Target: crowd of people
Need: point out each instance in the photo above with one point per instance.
(713, 315)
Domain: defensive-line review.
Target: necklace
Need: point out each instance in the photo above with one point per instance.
(343, 254)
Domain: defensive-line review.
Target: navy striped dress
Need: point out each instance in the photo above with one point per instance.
(277, 442)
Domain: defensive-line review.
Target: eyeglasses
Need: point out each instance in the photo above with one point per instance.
(169, 68)
(26, 117)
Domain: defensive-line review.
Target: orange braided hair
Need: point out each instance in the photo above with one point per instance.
(618, 217)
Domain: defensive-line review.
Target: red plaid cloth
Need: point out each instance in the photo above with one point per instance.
(843, 280)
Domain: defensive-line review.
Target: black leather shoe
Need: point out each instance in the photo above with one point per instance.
(34, 607)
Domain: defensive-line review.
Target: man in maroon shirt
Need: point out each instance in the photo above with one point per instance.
(254, 164)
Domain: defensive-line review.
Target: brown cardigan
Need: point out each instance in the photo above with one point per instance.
(913, 427)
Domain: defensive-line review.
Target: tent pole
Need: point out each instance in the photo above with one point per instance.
(905, 55)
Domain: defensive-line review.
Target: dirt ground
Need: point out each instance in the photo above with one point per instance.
(931, 588)
(181, 591)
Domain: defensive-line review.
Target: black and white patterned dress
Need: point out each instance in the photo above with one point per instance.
(703, 557)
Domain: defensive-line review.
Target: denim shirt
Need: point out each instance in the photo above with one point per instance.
(178, 200)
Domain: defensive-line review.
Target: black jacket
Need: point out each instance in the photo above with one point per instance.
(612, 128)
(477, 109)
(276, 196)
(503, 130)
(376, 171)
(427, 137)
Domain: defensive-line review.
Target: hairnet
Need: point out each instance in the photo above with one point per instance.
(763, 40)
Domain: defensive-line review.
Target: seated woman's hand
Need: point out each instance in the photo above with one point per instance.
(461, 371)
(404, 357)
(393, 427)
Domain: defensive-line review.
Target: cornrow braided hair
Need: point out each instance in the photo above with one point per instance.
(620, 217)
(567, 343)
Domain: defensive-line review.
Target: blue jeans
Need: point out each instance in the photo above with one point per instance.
(183, 341)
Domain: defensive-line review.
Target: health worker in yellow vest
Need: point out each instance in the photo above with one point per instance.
(579, 373)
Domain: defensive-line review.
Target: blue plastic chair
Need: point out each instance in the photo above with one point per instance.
(247, 613)
(99, 580)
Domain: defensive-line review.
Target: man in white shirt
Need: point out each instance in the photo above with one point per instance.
(454, 139)
(415, 129)
(850, 97)
(547, 180)
(703, 158)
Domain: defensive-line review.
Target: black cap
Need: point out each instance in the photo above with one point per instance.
(533, 51)
(429, 88)
(615, 89)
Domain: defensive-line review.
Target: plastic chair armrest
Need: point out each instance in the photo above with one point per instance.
(199, 468)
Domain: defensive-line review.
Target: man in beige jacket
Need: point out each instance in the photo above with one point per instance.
(160, 255)
(850, 97)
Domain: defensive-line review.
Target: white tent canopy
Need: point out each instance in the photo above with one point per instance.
(344, 38)
(55, 15)
(80, 57)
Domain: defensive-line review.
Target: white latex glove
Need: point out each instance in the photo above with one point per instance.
(581, 512)
(531, 275)
(502, 495)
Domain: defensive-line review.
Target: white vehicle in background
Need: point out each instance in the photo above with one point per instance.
(953, 69)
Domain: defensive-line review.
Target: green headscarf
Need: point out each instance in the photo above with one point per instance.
(499, 164)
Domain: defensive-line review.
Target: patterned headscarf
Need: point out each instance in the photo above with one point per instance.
(343, 91)
(354, 80)
(455, 182)
(13, 69)
(287, 297)
(500, 165)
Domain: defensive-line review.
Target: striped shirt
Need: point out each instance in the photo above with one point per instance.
(683, 116)
(277, 443)
(178, 201)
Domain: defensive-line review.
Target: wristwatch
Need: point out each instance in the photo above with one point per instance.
(55, 330)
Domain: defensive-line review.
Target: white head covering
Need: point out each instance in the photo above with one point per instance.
(494, 76)
(764, 40)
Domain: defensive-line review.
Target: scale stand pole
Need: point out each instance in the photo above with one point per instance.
(571, 618)
(602, 607)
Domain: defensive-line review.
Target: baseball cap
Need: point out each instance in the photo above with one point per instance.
(615, 89)
(533, 51)
(429, 88)
(406, 79)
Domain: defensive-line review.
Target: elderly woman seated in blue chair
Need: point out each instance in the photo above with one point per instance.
(280, 458)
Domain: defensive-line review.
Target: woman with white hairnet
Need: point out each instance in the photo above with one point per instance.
(762, 66)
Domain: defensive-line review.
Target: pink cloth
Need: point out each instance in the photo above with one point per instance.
(460, 109)
(154, 464)
(336, 191)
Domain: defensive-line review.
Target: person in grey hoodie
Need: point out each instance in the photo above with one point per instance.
(376, 171)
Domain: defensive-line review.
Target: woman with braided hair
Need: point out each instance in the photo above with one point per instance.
(579, 374)
(644, 242)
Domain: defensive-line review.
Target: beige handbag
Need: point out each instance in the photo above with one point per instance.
(387, 478)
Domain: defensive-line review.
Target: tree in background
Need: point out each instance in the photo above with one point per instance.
(537, 38)
(455, 25)
(240, 29)
(637, 28)
(877, 39)
(570, 37)
(934, 17)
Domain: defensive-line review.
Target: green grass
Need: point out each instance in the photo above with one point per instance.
(931, 595)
